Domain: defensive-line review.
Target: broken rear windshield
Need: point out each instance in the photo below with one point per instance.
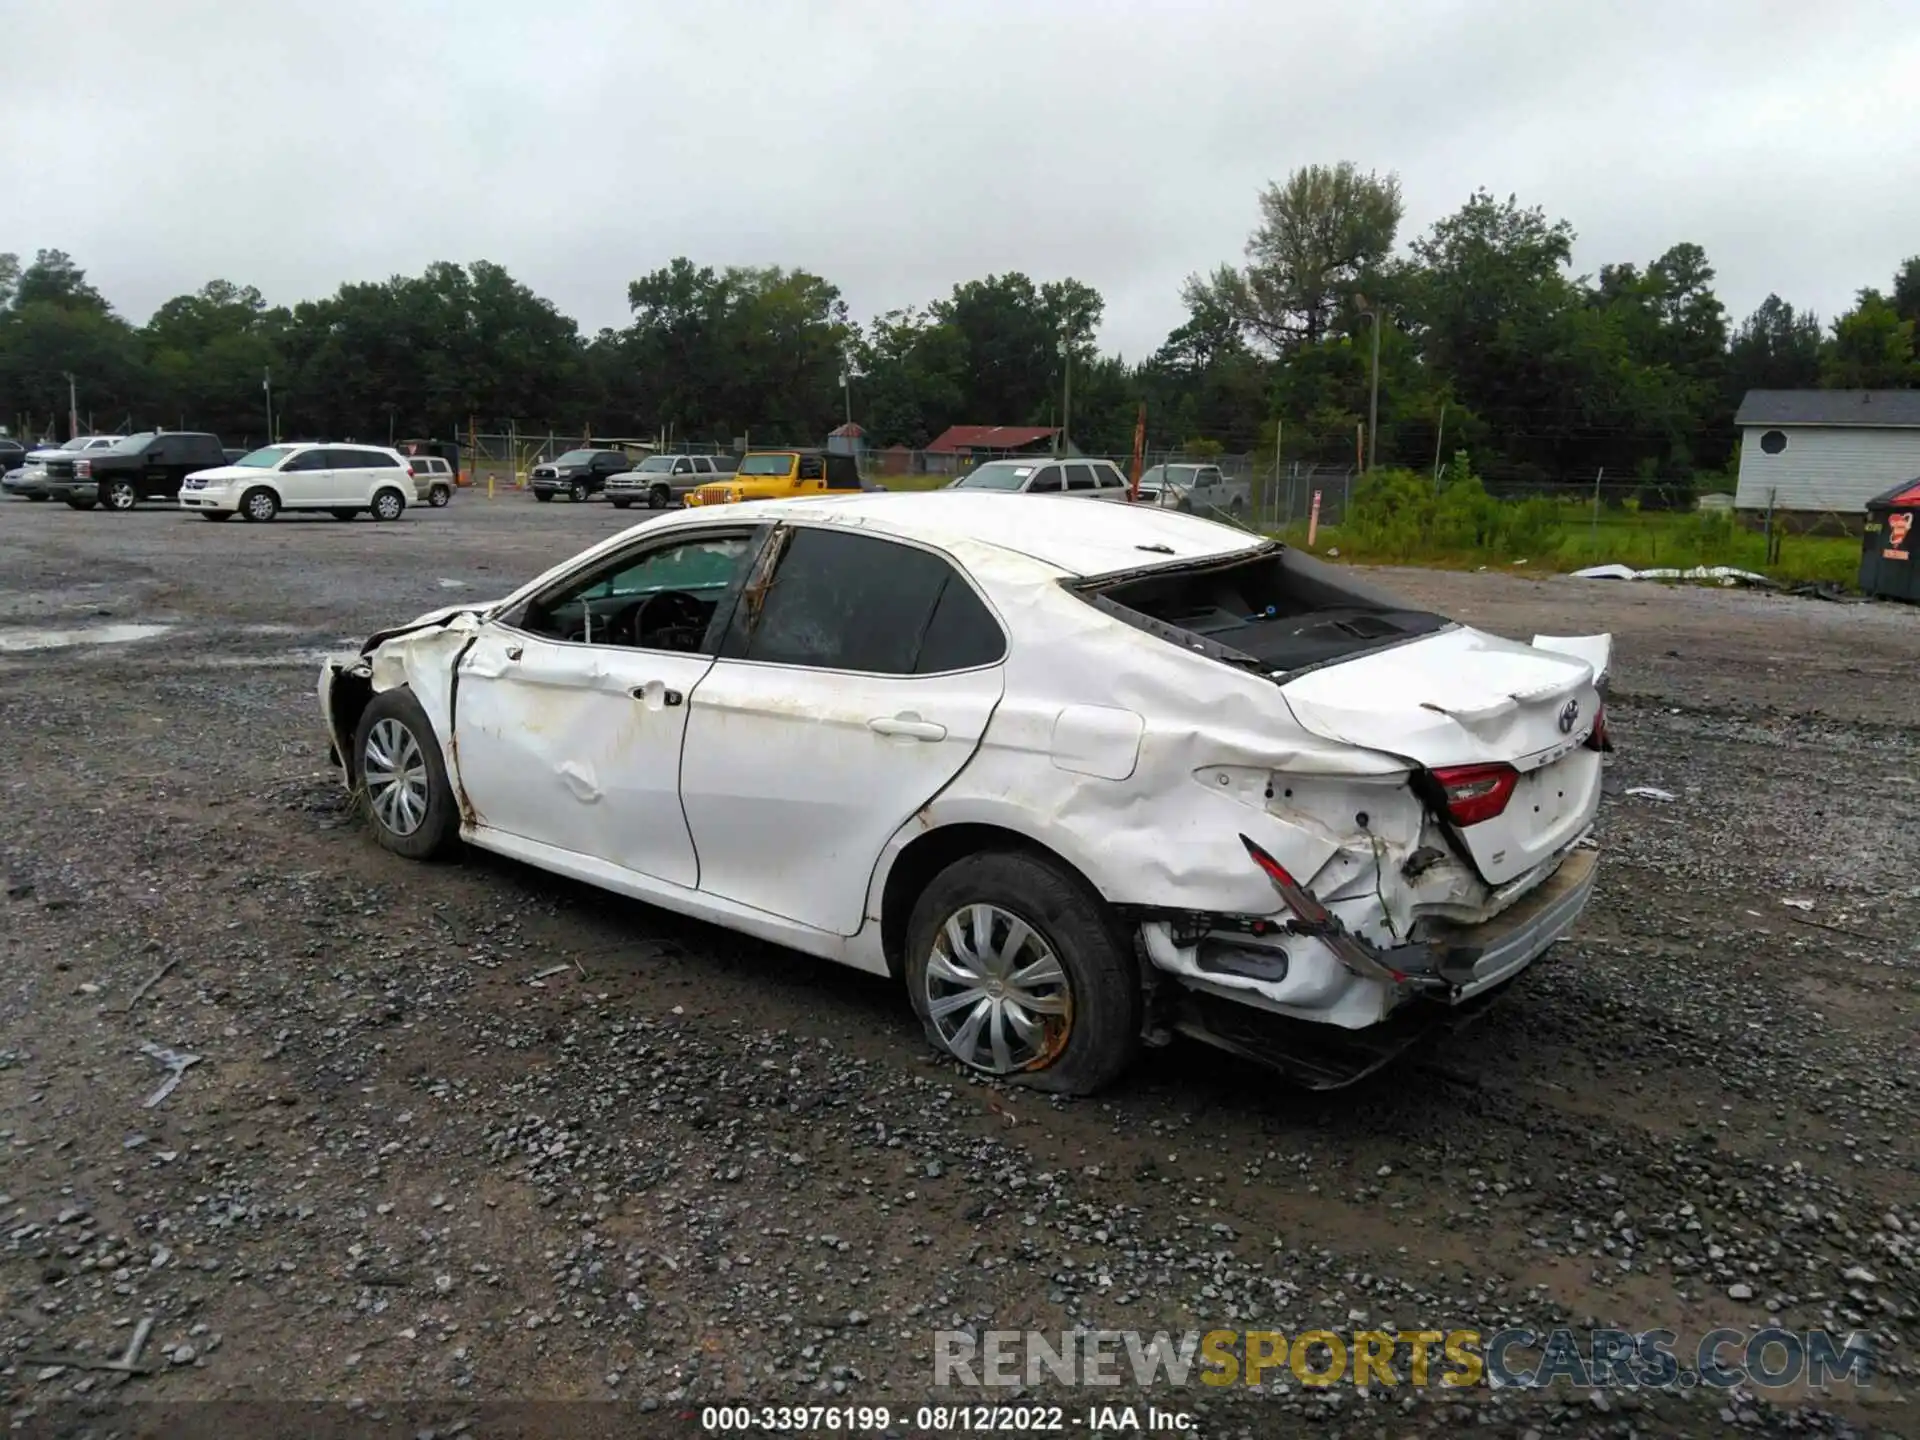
(1278, 610)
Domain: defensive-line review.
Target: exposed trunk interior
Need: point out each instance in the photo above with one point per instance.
(1276, 610)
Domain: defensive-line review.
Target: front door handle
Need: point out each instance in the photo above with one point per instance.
(908, 727)
(654, 695)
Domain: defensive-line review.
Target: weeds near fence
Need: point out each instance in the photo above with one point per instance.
(1400, 517)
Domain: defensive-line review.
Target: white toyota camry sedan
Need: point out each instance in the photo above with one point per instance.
(1080, 776)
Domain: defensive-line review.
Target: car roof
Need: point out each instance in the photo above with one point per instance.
(1079, 537)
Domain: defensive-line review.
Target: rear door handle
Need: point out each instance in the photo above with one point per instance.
(653, 692)
(908, 727)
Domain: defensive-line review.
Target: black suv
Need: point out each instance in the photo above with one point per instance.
(578, 473)
(141, 467)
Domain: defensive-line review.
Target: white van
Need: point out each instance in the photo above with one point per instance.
(340, 479)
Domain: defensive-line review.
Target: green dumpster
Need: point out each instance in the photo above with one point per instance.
(1890, 547)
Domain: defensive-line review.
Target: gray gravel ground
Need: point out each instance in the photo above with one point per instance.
(406, 1172)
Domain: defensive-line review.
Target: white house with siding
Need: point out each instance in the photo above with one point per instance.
(1825, 450)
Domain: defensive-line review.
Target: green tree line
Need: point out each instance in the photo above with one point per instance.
(1487, 340)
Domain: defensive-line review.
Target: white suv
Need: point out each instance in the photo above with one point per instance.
(340, 479)
(1088, 479)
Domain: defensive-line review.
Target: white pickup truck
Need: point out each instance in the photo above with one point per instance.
(1198, 489)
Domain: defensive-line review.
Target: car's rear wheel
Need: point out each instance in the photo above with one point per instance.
(122, 495)
(439, 495)
(1019, 971)
(659, 497)
(260, 504)
(402, 780)
(387, 504)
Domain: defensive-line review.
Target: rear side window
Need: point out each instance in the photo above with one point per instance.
(811, 468)
(1080, 477)
(856, 602)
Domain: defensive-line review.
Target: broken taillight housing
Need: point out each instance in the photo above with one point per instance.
(1476, 792)
(1597, 738)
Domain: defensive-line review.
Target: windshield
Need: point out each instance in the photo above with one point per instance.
(133, 444)
(657, 465)
(996, 475)
(765, 465)
(265, 458)
(1169, 474)
(576, 457)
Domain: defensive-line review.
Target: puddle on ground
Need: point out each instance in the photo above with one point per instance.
(14, 641)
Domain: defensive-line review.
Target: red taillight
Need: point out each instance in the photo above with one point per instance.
(1476, 792)
(1597, 738)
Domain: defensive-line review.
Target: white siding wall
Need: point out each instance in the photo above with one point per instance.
(1837, 468)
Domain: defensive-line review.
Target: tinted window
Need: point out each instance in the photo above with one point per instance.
(1079, 477)
(1109, 478)
(1047, 482)
(854, 602)
(703, 467)
(309, 460)
(962, 633)
(365, 460)
(811, 468)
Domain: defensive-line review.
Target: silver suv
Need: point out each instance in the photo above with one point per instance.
(1039, 475)
(660, 480)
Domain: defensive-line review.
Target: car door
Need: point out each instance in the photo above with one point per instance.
(569, 734)
(854, 683)
(306, 478)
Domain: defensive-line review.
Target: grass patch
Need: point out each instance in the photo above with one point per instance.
(1400, 518)
(912, 482)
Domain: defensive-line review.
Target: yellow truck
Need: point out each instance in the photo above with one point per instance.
(778, 474)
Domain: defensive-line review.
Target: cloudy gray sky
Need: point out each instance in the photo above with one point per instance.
(900, 147)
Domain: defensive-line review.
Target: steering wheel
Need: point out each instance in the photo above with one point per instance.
(663, 612)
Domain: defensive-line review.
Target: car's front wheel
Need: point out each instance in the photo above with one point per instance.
(577, 491)
(216, 514)
(260, 504)
(621, 504)
(401, 778)
(122, 495)
(1019, 971)
(545, 497)
(659, 497)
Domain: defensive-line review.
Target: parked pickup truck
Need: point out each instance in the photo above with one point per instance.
(30, 479)
(659, 480)
(580, 474)
(1197, 489)
(148, 466)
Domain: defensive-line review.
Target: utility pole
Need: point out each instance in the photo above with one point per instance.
(73, 407)
(1373, 399)
(1063, 441)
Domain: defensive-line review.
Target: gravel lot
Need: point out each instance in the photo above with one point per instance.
(691, 1166)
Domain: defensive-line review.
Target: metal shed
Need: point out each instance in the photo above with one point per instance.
(1825, 451)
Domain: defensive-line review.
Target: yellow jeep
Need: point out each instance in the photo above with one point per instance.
(776, 474)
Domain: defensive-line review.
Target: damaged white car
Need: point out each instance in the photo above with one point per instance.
(1081, 776)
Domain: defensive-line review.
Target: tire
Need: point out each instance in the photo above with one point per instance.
(122, 495)
(388, 504)
(73, 504)
(36, 498)
(545, 497)
(659, 498)
(621, 504)
(343, 514)
(1098, 982)
(577, 492)
(400, 778)
(259, 505)
(216, 514)
(439, 495)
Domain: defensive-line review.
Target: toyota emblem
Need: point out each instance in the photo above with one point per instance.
(1567, 716)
